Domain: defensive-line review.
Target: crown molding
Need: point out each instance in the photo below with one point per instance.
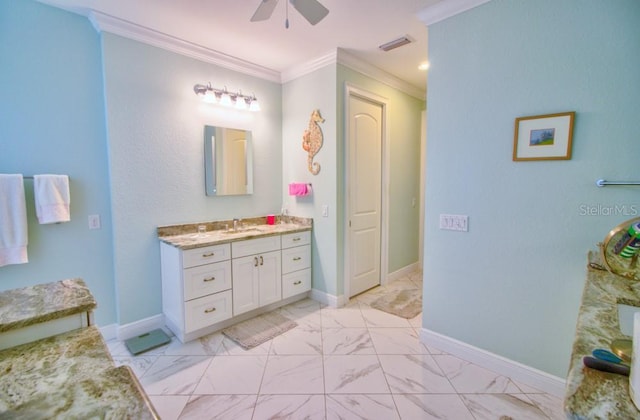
(361, 66)
(103, 22)
(340, 56)
(107, 23)
(310, 66)
(446, 9)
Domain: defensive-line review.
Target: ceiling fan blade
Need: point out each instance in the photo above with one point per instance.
(264, 10)
(312, 10)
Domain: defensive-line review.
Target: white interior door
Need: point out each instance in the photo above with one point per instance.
(366, 127)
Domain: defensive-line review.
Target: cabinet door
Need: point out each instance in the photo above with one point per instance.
(246, 286)
(270, 277)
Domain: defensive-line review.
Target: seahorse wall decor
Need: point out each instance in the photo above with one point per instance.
(312, 140)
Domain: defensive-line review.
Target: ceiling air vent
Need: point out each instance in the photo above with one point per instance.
(395, 43)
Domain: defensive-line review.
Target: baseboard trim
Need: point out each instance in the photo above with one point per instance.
(109, 332)
(404, 271)
(327, 299)
(522, 373)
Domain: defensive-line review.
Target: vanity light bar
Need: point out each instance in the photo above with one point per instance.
(224, 97)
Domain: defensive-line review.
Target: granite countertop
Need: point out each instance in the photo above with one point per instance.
(23, 307)
(69, 375)
(186, 236)
(592, 394)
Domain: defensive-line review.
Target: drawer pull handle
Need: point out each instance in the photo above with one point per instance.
(255, 261)
(261, 260)
(297, 258)
(210, 254)
(296, 239)
(209, 279)
(295, 283)
(208, 311)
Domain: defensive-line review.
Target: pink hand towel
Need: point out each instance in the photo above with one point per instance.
(298, 189)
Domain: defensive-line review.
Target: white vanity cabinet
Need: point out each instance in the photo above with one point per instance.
(257, 272)
(296, 263)
(207, 288)
(196, 287)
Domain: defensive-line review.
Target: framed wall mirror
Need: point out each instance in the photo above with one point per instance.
(228, 160)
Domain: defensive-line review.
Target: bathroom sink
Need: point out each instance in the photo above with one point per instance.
(625, 318)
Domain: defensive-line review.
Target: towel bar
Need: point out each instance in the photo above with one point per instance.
(31, 177)
(603, 183)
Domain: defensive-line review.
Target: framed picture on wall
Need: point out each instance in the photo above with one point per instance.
(543, 137)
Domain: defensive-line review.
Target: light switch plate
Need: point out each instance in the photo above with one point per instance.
(94, 221)
(457, 222)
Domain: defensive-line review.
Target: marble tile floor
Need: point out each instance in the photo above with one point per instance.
(354, 362)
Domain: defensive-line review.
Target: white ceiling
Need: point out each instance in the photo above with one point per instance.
(357, 26)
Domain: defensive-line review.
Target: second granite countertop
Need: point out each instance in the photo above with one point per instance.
(590, 393)
(27, 306)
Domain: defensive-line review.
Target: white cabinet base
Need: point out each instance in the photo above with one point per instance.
(209, 288)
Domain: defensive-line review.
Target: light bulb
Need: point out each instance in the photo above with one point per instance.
(240, 102)
(225, 99)
(209, 97)
(254, 106)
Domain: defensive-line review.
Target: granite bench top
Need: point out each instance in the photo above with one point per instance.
(186, 236)
(26, 306)
(69, 375)
(590, 393)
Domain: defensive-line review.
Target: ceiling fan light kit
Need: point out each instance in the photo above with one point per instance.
(311, 10)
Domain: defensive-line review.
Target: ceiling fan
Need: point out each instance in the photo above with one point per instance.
(312, 10)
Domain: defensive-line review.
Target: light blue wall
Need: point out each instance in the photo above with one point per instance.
(156, 124)
(299, 98)
(324, 89)
(52, 121)
(512, 284)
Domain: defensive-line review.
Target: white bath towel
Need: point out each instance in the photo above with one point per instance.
(13, 220)
(52, 198)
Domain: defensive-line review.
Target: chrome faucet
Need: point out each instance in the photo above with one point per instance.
(236, 222)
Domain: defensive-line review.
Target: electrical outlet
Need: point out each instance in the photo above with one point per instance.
(94, 221)
(457, 222)
(325, 210)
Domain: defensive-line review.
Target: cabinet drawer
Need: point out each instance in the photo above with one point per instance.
(296, 283)
(294, 259)
(296, 239)
(206, 279)
(206, 311)
(255, 246)
(205, 255)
